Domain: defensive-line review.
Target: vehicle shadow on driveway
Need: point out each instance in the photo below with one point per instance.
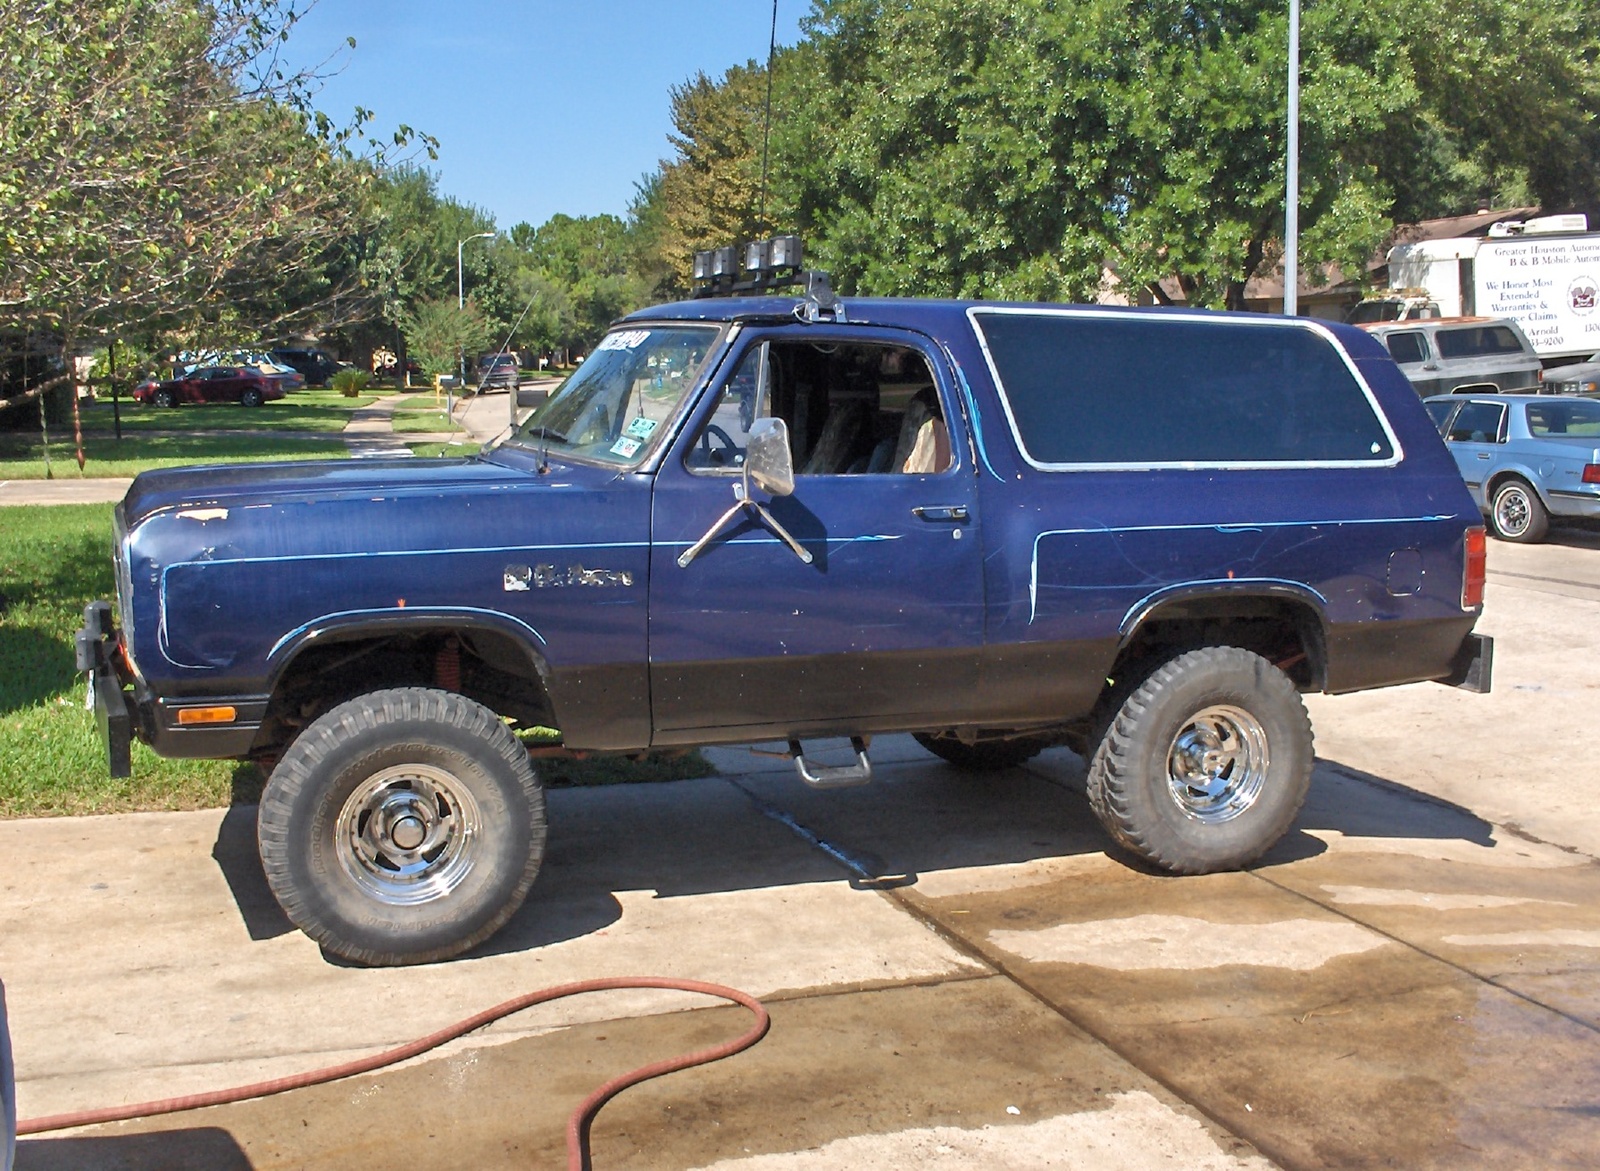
(760, 831)
(203, 1146)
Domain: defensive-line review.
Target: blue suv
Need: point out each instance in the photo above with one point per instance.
(999, 527)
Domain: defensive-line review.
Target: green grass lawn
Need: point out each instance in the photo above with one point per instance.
(421, 414)
(53, 561)
(302, 410)
(21, 456)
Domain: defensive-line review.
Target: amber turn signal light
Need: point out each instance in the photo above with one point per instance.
(207, 715)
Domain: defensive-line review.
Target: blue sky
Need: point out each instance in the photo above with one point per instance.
(540, 106)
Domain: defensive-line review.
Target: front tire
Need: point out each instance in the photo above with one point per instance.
(402, 827)
(1205, 764)
(164, 398)
(1517, 514)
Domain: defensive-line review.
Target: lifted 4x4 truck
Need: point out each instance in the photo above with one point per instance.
(1141, 534)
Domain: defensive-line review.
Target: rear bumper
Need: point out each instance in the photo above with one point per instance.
(1473, 665)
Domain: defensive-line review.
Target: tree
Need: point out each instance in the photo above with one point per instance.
(441, 334)
(160, 169)
(591, 259)
(710, 193)
(1015, 147)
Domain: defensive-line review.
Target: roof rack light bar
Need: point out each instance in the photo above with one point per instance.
(766, 265)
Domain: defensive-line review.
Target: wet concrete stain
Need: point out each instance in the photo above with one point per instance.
(955, 1055)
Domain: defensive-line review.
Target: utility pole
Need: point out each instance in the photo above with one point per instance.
(1291, 215)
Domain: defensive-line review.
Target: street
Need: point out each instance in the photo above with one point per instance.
(962, 978)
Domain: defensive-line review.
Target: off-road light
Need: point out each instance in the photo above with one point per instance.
(755, 256)
(702, 266)
(783, 252)
(723, 261)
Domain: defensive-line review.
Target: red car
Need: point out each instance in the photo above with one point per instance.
(244, 385)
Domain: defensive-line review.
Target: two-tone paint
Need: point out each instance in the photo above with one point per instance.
(994, 594)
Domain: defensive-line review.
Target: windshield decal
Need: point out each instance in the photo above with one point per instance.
(641, 428)
(625, 339)
(625, 447)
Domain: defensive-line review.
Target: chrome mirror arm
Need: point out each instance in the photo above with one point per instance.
(740, 504)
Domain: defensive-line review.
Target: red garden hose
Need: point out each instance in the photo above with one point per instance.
(577, 1124)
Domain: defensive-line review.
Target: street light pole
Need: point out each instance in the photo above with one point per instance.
(1291, 214)
(461, 304)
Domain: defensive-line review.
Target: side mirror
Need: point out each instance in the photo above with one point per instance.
(768, 463)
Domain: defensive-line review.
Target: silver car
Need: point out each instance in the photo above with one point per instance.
(1525, 458)
(1579, 378)
(1461, 355)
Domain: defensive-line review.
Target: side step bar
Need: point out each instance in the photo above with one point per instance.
(833, 776)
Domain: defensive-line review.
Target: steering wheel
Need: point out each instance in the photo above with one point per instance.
(728, 453)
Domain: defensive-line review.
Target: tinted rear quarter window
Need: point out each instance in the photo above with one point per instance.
(1478, 341)
(1088, 388)
(1406, 347)
(1578, 419)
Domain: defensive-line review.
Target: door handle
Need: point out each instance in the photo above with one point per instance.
(941, 512)
(1483, 455)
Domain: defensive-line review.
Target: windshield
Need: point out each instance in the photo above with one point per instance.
(615, 406)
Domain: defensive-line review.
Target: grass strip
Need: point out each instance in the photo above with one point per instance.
(21, 457)
(303, 410)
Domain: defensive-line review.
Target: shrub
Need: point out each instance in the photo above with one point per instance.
(351, 383)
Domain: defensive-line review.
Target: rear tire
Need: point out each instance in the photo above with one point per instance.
(402, 827)
(1205, 764)
(250, 398)
(1517, 514)
(984, 757)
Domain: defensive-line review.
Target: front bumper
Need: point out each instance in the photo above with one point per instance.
(99, 655)
(121, 714)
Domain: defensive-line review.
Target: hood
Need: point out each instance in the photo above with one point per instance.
(224, 485)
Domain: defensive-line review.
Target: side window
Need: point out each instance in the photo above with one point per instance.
(851, 409)
(1480, 341)
(1477, 422)
(1120, 388)
(1406, 347)
(1439, 412)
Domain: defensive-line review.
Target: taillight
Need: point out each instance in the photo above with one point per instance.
(1477, 569)
(1591, 473)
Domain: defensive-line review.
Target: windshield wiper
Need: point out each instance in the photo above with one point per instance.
(543, 433)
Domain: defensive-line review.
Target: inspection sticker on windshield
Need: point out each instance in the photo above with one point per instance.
(625, 447)
(641, 428)
(627, 339)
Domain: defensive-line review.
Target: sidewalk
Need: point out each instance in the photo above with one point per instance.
(369, 434)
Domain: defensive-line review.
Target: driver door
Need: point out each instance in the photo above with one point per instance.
(883, 628)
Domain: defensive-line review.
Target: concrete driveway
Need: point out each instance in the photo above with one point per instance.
(959, 975)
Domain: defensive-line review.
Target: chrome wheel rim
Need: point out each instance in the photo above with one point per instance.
(1511, 512)
(409, 834)
(1217, 764)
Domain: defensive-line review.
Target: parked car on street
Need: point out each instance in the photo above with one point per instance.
(317, 366)
(499, 372)
(1461, 355)
(1525, 458)
(287, 376)
(244, 385)
(1578, 378)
